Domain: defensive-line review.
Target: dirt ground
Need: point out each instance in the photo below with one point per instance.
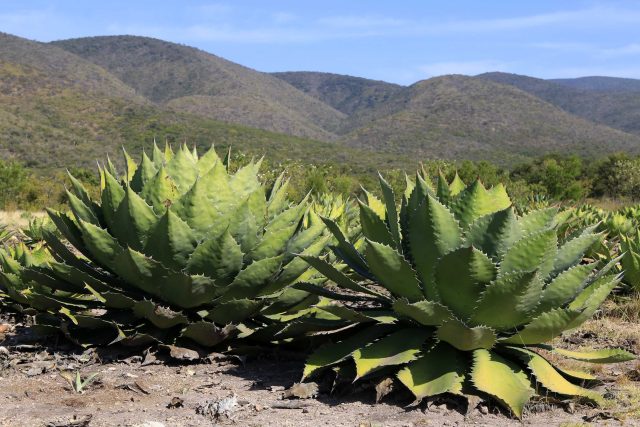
(222, 390)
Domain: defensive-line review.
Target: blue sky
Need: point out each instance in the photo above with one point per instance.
(398, 41)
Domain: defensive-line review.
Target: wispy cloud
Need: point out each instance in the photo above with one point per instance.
(360, 22)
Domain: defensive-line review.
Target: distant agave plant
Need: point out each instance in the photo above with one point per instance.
(455, 293)
(176, 249)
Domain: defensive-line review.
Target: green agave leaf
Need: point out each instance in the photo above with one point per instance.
(551, 379)
(397, 348)
(111, 197)
(234, 311)
(245, 180)
(393, 271)
(130, 165)
(461, 276)
(608, 355)
(538, 220)
(206, 162)
(278, 201)
(493, 234)
(161, 317)
(571, 253)
(143, 174)
(250, 281)
(516, 295)
(243, 226)
(160, 192)
(375, 205)
(374, 227)
(171, 241)
(157, 156)
(346, 251)
(81, 192)
(456, 186)
(564, 287)
(592, 297)
(182, 169)
(475, 201)
(428, 313)
(336, 276)
(441, 370)
(278, 233)
(501, 379)
(134, 220)
(532, 252)
(545, 327)
(103, 247)
(207, 334)
(331, 354)
(433, 231)
(465, 338)
(442, 191)
(219, 258)
(391, 211)
(196, 208)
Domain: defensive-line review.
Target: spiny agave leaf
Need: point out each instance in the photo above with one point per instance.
(68, 229)
(182, 169)
(397, 348)
(76, 276)
(245, 180)
(103, 247)
(475, 201)
(493, 234)
(374, 227)
(196, 208)
(278, 196)
(456, 186)
(564, 287)
(441, 370)
(443, 192)
(393, 271)
(157, 156)
(516, 295)
(168, 152)
(433, 231)
(345, 313)
(428, 313)
(208, 334)
(63, 254)
(551, 379)
(331, 354)
(336, 276)
(111, 197)
(130, 165)
(243, 226)
(574, 374)
(375, 205)
(501, 379)
(538, 220)
(571, 253)
(42, 277)
(143, 174)
(391, 211)
(171, 241)
(544, 328)
(291, 304)
(80, 210)
(161, 317)
(161, 191)
(607, 355)
(533, 252)
(81, 192)
(346, 251)
(249, 282)
(465, 338)
(234, 311)
(304, 239)
(219, 258)
(592, 297)
(461, 276)
(278, 233)
(175, 288)
(206, 162)
(134, 220)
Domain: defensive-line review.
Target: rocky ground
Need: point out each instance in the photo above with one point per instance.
(37, 388)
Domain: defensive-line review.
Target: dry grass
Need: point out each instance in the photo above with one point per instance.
(19, 219)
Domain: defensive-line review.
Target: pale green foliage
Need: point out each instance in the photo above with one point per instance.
(465, 292)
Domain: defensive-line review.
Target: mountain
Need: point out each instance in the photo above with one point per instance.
(59, 110)
(191, 80)
(467, 117)
(347, 94)
(601, 84)
(584, 97)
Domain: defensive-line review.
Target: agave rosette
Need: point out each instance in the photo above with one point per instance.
(177, 248)
(457, 294)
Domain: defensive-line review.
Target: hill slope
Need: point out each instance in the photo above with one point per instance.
(344, 93)
(466, 117)
(190, 80)
(613, 107)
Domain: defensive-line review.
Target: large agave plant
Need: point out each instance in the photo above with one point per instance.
(177, 248)
(457, 294)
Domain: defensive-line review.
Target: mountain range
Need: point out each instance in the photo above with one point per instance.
(70, 101)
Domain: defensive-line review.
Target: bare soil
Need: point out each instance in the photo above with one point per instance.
(153, 391)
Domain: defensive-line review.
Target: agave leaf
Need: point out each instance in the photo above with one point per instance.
(182, 169)
(331, 354)
(501, 379)
(207, 334)
(171, 241)
(440, 370)
(134, 221)
(590, 299)
(278, 197)
(278, 233)
(111, 197)
(243, 226)
(374, 227)
(456, 185)
(551, 379)
(143, 174)
(346, 251)
(245, 180)
(161, 317)
(545, 327)
(219, 258)
(103, 247)
(606, 355)
(428, 313)
(475, 201)
(250, 281)
(393, 271)
(564, 287)
(465, 338)
(391, 212)
(234, 311)
(532, 252)
(493, 234)
(433, 231)
(397, 348)
(516, 295)
(160, 192)
(196, 208)
(571, 253)
(206, 162)
(538, 220)
(461, 276)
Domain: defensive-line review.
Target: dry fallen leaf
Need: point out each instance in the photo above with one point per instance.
(383, 388)
(181, 353)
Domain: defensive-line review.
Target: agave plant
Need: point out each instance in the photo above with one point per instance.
(456, 293)
(630, 247)
(177, 248)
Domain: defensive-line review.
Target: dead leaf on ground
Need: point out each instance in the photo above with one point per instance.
(176, 402)
(214, 409)
(301, 391)
(181, 353)
(384, 387)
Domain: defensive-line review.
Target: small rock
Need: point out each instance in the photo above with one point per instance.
(276, 388)
(483, 409)
(176, 402)
(4, 352)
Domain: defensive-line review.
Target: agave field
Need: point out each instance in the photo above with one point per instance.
(444, 292)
